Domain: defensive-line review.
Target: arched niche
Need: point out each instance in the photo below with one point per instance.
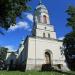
(44, 19)
(48, 56)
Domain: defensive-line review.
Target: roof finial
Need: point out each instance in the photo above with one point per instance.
(40, 1)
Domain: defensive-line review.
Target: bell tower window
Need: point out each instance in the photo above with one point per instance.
(44, 18)
(44, 35)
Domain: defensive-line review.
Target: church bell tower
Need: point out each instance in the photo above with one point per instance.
(42, 26)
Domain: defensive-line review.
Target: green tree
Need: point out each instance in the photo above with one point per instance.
(71, 19)
(69, 40)
(3, 53)
(10, 9)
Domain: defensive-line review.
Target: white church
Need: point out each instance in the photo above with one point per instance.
(42, 50)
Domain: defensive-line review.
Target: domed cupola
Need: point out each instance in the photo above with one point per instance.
(41, 14)
(41, 6)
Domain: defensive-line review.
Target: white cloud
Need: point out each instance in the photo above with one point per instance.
(30, 17)
(13, 27)
(19, 25)
(60, 38)
(22, 23)
(27, 15)
(11, 48)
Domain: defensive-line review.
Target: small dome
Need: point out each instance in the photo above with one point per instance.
(41, 6)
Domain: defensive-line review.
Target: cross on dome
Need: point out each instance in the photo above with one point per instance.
(40, 1)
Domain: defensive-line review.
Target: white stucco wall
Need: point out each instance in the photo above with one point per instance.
(10, 57)
(37, 48)
(47, 29)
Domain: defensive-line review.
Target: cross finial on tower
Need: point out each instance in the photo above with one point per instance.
(40, 1)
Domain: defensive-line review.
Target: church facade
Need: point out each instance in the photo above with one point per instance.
(42, 49)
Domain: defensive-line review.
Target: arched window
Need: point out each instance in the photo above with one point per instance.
(44, 19)
(43, 34)
(48, 35)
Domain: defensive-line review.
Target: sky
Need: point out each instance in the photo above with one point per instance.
(23, 27)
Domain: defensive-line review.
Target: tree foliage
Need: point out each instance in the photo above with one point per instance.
(10, 9)
(69, 40)
(3, 53)
(71, 19)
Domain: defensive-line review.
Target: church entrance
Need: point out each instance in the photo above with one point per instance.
(47, 66)
(47, 58)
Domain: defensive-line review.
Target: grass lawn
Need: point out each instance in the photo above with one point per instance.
(34, 73)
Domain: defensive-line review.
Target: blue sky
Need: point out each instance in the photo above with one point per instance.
(58, 16)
